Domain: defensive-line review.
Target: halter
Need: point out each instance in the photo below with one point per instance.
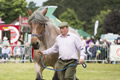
(39, 36)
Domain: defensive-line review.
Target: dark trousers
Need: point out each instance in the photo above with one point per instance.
(5, 55)
(17, 56)
(69, 73)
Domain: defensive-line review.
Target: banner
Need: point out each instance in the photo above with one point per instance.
(24, 21)
(115, 52)
(95, 27)
(14, 32)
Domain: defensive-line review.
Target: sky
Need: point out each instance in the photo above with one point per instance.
(38, 2)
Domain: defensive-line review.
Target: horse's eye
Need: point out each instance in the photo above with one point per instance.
(41, 24)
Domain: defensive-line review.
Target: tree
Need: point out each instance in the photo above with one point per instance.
(112, 22)
(32, 6)
(100, 17)
(84, 9)
(70, 16)
(11, 9)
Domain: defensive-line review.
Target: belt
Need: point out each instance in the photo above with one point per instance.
(68, 60)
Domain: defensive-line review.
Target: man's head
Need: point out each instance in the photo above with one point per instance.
(63, 28)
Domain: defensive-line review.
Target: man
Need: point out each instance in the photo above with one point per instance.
(68, 45)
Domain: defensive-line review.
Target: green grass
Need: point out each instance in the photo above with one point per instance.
(26, 71)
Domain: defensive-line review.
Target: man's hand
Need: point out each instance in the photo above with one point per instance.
(40, 52)
(81, 61)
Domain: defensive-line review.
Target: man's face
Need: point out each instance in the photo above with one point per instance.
(64, 30)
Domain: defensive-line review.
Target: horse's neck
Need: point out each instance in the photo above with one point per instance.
(50, 35)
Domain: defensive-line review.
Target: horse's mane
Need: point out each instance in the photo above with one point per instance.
(50, 34)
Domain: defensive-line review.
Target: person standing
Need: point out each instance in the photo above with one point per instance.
(18, 50)
(67, 44)
(88, 41)
(5, 41)
(5, 52)
(28, 52)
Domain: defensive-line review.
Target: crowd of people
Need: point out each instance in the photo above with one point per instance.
(19, 51)
(95, 49)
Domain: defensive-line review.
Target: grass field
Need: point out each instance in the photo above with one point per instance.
(26, 71)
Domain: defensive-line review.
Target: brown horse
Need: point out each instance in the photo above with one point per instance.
(43, 37)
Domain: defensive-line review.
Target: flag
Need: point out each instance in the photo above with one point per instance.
(95, 27)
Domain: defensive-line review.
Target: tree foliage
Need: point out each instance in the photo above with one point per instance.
(112, 22)
(32, 6)
(70, 16)
(11, 9)
(86, 10)
(100, 17)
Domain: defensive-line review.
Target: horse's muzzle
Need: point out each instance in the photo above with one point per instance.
(36, 45)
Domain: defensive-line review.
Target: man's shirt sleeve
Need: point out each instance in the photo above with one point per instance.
(81, 48)
(53, 49)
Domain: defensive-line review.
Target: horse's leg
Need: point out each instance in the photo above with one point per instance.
(55, 77)
(38, 71)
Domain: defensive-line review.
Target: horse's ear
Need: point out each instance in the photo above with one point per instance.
(45, 11)
(29, 12)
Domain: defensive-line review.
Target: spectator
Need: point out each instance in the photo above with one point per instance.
(83, 40)
(5, 52)
(106, 42)
(97, 42)
(92, 50)
(5, 41)
(27, 52)
(88, 41)
(10, 54)
(118, 40)
(115, 41)
(21, 39)
(103, 53)
(18, 51)
(0, 49)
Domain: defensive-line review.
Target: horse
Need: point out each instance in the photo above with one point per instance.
(43, 37)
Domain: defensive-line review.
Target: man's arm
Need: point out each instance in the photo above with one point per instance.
(81, 48)
(53, 49)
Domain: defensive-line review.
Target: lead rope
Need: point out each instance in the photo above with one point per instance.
(76, 63)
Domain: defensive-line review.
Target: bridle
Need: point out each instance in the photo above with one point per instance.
(39, 36)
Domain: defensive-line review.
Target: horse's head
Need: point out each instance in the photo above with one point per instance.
(37, 21)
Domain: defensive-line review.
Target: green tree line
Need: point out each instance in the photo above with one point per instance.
(81, 14)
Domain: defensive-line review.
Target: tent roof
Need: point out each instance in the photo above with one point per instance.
(83, 33)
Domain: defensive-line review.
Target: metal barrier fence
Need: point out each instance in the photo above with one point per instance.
(22, 53)
(95, 53)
